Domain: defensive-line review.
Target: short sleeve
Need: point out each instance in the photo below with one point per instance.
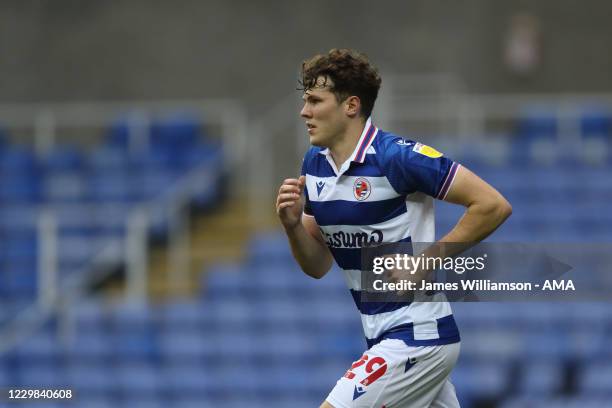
(418, 167)
(307, 207)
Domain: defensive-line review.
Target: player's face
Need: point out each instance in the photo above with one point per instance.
(324, 116)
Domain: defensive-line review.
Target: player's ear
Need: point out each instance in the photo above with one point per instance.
(352, 105)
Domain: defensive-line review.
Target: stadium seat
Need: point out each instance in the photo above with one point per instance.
(175, 130)
(138, 379)
(187, 314)
(595, 379)
(541, 378)
(63, 157)
(61, 186)
(596, 122)
(488, 379)
(186, 345)
(42, 376)
(107, 158)
(93, 380)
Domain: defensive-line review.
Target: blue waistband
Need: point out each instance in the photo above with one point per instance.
(447, 331)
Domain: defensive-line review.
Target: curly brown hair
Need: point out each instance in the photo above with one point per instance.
(350, 72)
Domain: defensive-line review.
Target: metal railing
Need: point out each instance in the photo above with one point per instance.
(57, 295)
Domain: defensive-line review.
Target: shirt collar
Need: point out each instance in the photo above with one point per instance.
(365, 141)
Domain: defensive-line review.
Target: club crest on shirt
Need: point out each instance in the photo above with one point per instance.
(426, 150)
(362, 188)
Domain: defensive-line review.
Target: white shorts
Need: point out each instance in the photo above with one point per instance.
(393, 375)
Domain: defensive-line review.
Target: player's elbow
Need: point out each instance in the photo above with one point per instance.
(319, 269)
(500, 209)
(319, 272)
(506, 209)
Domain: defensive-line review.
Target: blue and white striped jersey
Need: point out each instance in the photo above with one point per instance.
(382, 194)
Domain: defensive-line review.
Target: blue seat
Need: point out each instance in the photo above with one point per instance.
(596, 122)
(135, 400)
(184, 314)
(190, 380)
(595, 379)
(276, 311)
(42, 347)
(17, 160)
(64, 186)
(42, 376)
(20, 281)
(65, 158)
(237, 345)
(131, 316)
(19, 188)
(268, 247)
(111, 185)
(541, 378)
(546, 345)
(135, 346)
(108, 158)
(176, 130)
(585, 401)
(202, 153)
(91, 379)
(157, 158)
(90, 316)
(537, 121)
(483, 380)
(226, 280)
(76, 249)
(137, 379)
(92, 345)
(230, 311)
(21, 246)
(152, 184)
(186, 345)
(284, 345)
(486, 343)
(118, 133)
(18, 219)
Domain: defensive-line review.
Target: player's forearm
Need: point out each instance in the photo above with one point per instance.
(312, 256)
(479, 221)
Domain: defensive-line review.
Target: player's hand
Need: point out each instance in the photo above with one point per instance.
(290, 203)
(408, 274)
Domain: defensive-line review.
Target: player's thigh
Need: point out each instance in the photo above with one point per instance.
(446, 398)
(364, 382)
(393, 374)
(326, 404)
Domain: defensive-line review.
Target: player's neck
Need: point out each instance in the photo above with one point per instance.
(346, 142)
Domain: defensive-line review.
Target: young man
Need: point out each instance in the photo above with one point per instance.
(359, 181)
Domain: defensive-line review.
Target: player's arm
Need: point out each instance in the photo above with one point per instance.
(307, 245)
(486, 208)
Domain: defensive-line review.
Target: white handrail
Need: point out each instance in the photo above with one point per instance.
(47, 259)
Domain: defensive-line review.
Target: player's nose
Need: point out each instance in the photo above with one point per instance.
(305, 112)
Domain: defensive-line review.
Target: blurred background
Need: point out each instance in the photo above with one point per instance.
(141, 146)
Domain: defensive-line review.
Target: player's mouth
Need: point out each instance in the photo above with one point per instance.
(310, 127)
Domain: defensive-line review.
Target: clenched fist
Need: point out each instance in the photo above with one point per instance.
(289, 202)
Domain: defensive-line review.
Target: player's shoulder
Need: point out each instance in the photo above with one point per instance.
(391, 146)
(312, 153)
(312, 160)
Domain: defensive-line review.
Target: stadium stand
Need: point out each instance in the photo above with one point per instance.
(260, 333)
(92, 194)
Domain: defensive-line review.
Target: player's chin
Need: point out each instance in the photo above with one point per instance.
(317, 141)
